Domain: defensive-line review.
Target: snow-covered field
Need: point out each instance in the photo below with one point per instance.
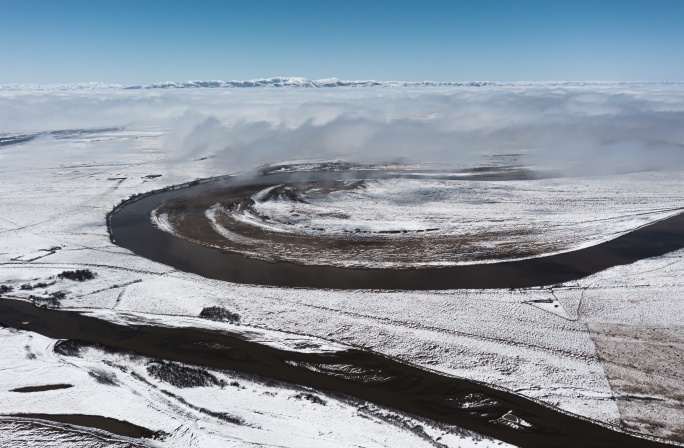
(57, 191)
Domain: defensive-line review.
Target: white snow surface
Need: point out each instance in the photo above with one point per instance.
(218, 228)
(56, 193)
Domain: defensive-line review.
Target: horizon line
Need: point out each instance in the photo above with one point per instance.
(297, 81)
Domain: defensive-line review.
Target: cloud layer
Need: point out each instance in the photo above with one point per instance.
(576, 129)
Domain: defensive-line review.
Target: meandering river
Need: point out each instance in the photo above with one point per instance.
(130, 227)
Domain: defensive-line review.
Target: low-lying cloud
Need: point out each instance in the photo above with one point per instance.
(579, 130)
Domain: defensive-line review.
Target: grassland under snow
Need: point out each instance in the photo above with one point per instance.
(429, 222)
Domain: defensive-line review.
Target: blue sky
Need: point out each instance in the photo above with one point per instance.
(140, 42)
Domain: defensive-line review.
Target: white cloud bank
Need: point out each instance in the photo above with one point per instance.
(580, 129)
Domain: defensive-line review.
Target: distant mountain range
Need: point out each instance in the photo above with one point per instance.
(307, 83)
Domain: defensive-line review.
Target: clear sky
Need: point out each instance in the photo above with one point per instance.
(145, 41)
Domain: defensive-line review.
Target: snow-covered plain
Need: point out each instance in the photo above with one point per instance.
(57, 191)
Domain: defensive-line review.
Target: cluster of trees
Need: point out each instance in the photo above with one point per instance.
(50, 301)
(310, 397)
(68, 347)
(73, 347)
(103, 377)
(79, 275)
(181, 376)
(219, 313)
(30, 287)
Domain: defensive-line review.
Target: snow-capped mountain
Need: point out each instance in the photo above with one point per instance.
(305, 82)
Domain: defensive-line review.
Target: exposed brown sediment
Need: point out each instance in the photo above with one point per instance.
(645, 368)
(235, 211)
